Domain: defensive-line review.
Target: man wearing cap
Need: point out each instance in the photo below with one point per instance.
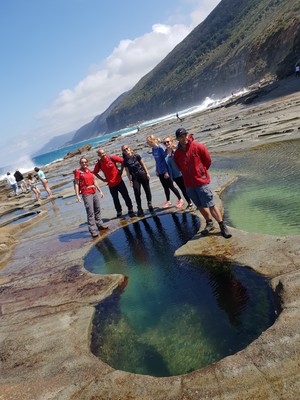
(193, 160)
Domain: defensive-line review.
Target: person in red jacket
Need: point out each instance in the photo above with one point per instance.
(193, 160)
(113, 177)
(85, 184)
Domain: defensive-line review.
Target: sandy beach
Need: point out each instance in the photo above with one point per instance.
(47, 298)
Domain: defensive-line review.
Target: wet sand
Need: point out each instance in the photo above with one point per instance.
(47, 298)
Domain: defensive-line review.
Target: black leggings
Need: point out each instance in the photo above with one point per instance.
(168, 185)
(138, 181)
(120, 188)
(179, 182)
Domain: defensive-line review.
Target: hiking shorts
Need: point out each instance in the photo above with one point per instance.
(202, 196)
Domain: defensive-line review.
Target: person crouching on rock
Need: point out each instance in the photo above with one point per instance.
(33, 186)
(86, 185)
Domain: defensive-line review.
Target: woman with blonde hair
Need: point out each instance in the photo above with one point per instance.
(175, 174)
(158, 152)
(138, 176)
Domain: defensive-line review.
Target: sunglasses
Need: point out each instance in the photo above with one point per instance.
(167, 142)
(126, 148)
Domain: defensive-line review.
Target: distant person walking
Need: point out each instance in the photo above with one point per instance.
(113, 177)
(12, 183)
(158, 152)
(175, 174)
(20, 181)
(138, 176)
(86, 185)
(44, 180)
(193, 160)
(33, 186)
(178, 118)
(297, 71)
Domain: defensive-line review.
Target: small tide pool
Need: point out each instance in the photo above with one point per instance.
(176, 314)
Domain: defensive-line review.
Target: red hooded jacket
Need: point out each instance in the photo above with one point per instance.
(193, 162)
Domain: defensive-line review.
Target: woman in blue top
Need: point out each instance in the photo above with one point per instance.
(158, 152)
(44, 180)
(175, 174)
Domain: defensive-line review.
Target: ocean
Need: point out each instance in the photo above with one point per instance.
(29, 162)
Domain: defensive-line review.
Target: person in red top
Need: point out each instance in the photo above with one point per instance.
(85, 183)
(113, 177)
(193, 160)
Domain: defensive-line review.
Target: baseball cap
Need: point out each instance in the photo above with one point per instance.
(180, 132)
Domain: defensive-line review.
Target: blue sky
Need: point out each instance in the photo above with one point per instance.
(64, 61)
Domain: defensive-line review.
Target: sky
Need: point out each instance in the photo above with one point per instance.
(65, 61)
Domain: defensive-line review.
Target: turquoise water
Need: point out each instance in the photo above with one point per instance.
(266, 197)
(176, 314)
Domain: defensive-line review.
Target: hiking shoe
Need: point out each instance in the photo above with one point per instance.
(102, 227)
(208, 227)
(119, 214)
(189, 207)
(140, 213)
(179, 203)
(167, 204)
(224, 231)
(131, 213)
(94, 235)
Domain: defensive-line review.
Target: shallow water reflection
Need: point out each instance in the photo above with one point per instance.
(265, 199)
(176, 314)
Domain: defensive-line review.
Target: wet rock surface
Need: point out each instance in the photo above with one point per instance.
(47, 298)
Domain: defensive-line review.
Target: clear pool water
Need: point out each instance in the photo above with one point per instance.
(266, 197)
(176, 314)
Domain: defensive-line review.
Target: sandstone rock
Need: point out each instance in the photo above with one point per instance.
(80, 150)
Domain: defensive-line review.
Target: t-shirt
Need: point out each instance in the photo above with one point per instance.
(159, 156)
(133, 163)
(41, 175)
(109, 169)
(86, 178)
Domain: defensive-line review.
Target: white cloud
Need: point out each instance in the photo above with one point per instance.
(127, 63)
(119, 72)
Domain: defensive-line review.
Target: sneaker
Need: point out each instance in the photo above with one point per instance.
(189, 207)
(179, 203)
(102, 227)
(208, 227)
(94, 235)
(131, 213)
(224, 231)
(140, 213)
(167, 204)
(119, 214)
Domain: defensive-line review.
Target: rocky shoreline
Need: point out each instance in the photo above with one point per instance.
(47, 298)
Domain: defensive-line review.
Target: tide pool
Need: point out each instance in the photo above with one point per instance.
(266, 196)
(176, 314)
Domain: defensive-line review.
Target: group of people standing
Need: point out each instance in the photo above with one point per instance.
(18, 182)
(186, 164)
